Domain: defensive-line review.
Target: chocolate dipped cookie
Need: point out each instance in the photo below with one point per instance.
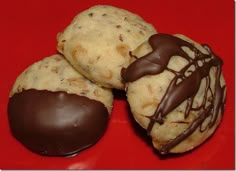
(176, 91)
(98, 41)
(53, 110)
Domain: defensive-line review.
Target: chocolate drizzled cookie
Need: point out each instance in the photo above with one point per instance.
(195, 92)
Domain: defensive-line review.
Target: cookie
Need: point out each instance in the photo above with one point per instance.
(53, 110)
(176, 91)
(98, 41)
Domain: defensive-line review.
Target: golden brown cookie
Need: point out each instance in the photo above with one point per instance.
(176, 91)
(53, 110)
(98, 41)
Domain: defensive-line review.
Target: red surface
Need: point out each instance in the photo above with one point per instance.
(28, 33)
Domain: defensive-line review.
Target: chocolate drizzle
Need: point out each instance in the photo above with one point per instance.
(181, 87)
(56, 123)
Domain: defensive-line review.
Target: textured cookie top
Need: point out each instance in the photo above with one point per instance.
(55, 74)
(98, 42)
(180, 91)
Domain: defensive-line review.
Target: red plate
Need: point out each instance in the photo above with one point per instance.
(28, 33)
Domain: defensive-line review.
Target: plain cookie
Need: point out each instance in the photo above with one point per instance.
(98, 42)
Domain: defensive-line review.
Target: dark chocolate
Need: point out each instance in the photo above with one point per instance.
(181, 87)
(56, 123)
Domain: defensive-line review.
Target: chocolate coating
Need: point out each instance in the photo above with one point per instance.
(56, 123)
(164, 47)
